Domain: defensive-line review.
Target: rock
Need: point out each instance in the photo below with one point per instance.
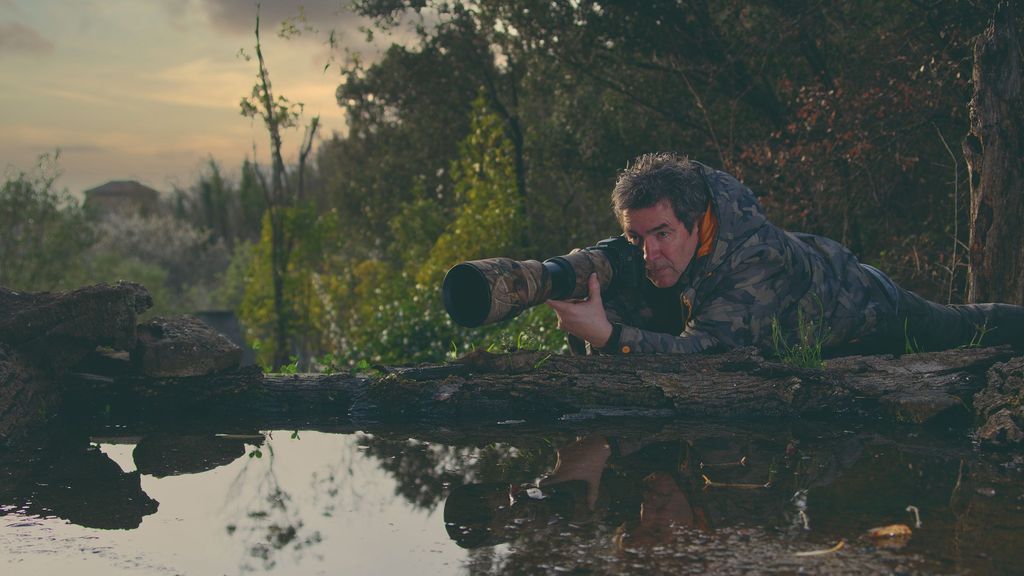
(101, 312)
(1000, 405)
(43, 334)
(182, 346)
(55, 330)
(931, 407)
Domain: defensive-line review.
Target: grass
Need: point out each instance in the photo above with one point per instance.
(980, 330)
(911, 346)
(806, 351)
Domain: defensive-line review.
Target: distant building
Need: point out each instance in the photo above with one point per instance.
(121, 198)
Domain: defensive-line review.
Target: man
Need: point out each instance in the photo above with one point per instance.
(722, 276)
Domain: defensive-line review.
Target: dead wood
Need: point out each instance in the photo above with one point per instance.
(920, 388)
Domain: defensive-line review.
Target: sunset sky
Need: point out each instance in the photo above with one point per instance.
(148, 90)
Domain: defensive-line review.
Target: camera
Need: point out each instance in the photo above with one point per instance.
(485, 291)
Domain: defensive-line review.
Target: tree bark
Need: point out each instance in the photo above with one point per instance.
(994, 151)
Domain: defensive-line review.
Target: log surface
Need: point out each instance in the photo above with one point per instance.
(917, 388)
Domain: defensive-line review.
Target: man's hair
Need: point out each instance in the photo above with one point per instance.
(659, 176)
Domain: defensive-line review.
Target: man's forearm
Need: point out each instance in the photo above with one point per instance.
(632, 340)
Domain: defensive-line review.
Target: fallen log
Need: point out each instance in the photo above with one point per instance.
(923, 388)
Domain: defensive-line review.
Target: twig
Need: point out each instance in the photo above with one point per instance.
(839, 546)
(742, 462)
(917, 515)
(709, 483)
(956, 212)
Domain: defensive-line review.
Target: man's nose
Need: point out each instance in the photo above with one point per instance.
(650, 251)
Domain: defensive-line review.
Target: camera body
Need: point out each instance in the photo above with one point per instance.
(482, 292)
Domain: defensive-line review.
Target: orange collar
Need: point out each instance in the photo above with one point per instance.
(708, 229)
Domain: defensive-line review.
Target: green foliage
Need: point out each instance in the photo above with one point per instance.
(488, 218)
(231, 213)
(395, 311)
(43, 231)
(802, 349)
(291, 367)
(310, 283)
(47, 242)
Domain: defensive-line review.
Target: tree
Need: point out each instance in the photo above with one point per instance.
(281, 194)
(995, 156)
(43, 231)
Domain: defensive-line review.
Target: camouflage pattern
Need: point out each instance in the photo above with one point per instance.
(584, 263)
(512, 286)
(756, 273)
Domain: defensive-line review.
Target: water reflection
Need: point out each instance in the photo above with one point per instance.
(673, 498)
(72, 479)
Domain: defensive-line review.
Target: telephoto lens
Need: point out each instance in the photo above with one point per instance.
(486, 291)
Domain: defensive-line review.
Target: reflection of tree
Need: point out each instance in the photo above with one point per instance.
(274, 524)
(424, 471)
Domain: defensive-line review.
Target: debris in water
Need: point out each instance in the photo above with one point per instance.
(839, 546)
(709, 483)
(891, 536)
(917, 515)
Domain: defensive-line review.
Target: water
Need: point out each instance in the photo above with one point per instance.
(627, 497)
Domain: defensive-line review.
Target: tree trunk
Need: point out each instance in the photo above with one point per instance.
(994, 151)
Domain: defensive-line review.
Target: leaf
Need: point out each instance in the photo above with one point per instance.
(892, 536)
(890, 531)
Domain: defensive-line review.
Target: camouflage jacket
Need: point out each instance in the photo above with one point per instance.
(756, 280)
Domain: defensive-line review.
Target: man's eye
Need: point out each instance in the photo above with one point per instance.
(663, 234)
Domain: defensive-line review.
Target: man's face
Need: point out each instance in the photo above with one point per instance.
(668, 247)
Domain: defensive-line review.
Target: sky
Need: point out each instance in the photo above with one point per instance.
(149, 90)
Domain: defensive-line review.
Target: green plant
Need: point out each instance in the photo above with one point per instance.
(805, 351)
(980, 330)
(910, 345)
(331, 363)
(292, 367)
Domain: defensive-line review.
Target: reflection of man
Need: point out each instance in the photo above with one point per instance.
(722, 276)
(643, 488)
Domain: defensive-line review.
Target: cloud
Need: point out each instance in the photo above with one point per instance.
(17, 38)
(203, 83)
(239, 16)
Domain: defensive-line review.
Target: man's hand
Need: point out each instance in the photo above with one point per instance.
(585, 318)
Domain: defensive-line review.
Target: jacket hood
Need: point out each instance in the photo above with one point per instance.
(739, 214)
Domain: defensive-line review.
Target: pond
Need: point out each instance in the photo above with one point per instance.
(585, 497)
